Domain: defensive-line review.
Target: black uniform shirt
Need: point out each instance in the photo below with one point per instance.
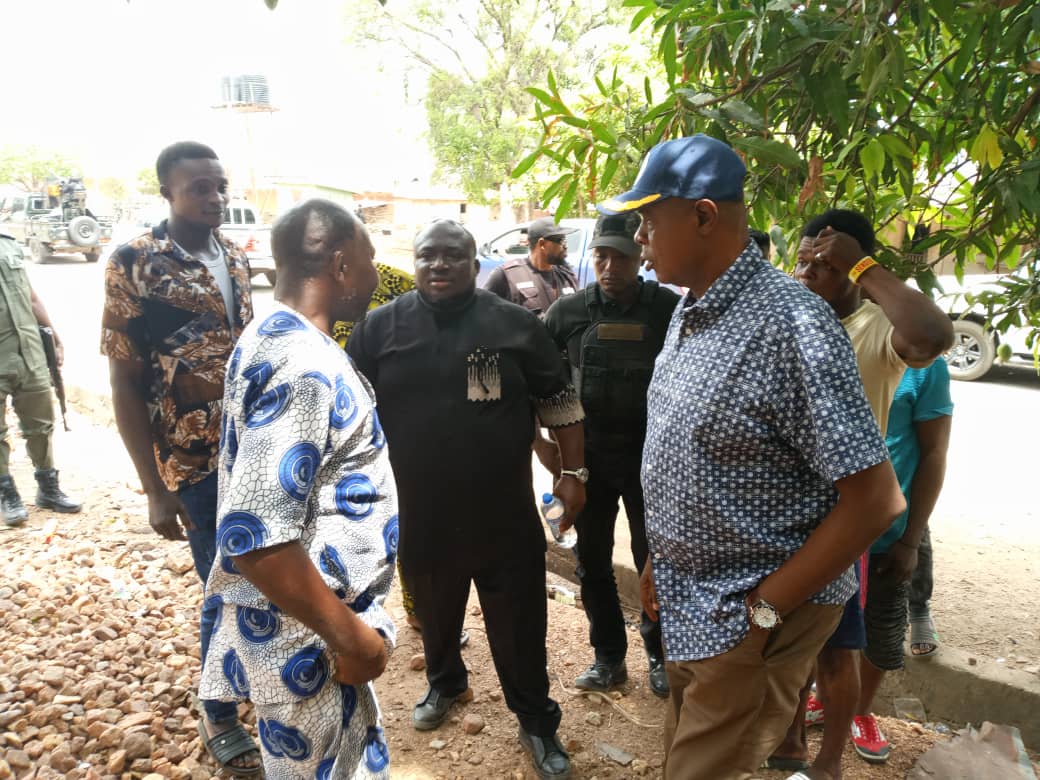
(456, 392)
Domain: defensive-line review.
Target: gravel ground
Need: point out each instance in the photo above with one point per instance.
(99, 660)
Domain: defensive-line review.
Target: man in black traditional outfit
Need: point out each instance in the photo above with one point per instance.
(459, 375)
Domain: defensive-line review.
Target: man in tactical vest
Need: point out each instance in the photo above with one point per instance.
(610, 334)
(537, 281)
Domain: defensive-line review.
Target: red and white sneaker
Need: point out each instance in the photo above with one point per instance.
(813, 711)
(868, 740)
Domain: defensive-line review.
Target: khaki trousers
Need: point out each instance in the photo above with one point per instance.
(33, 403)
(727, 714)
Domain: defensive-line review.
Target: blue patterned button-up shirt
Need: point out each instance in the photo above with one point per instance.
(756, 408)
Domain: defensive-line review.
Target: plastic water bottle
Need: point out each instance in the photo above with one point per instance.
(553, 512)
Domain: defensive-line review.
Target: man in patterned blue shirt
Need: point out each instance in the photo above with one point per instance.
(764, 471)
(307, 533)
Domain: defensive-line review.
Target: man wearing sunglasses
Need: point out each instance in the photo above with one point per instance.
(538, 280)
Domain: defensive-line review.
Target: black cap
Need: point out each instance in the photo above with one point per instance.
(616, 232)
(545, 227)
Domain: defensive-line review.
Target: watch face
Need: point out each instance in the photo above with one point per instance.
(764, 616)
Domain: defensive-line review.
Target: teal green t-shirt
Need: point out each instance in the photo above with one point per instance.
(923, 394)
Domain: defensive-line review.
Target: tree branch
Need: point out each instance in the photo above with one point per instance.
(437, 39)
(1023, 112)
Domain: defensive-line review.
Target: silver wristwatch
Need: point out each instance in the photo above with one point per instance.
(763, 615)
(582, 474)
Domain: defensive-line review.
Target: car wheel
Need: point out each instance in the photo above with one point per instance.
(271, 277)
(972, 353)
(92, 257)
(84, 231)
(37, 251)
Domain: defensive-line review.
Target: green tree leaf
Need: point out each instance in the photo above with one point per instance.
(526, 164)
(769, 151)
(872, 158)
(740, 111)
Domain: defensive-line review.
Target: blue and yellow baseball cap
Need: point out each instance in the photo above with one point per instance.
(695, 167)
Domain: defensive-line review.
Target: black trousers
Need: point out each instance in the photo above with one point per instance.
(512, 597)
(609, 481)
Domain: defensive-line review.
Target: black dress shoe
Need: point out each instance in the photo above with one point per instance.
(431, 710)
(658, 678)
(601, 676)
(551, 761)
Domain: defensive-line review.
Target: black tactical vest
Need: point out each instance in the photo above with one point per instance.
(529, 289)
(617, 361)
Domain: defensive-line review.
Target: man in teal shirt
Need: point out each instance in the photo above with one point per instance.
(917, 439)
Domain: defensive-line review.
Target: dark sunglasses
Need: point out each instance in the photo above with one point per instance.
(557, 240)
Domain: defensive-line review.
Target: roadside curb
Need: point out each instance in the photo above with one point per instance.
(950, 686)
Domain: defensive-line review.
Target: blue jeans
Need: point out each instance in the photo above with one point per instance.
(200, 500)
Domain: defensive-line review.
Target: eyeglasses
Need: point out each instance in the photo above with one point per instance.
(556, 240)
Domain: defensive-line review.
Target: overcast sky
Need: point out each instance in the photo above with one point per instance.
(111, 82)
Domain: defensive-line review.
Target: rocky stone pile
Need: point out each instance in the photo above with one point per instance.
(100, 655)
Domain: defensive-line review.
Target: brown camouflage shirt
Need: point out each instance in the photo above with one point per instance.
(163, 308)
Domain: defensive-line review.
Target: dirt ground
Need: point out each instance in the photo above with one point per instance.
(99, 618)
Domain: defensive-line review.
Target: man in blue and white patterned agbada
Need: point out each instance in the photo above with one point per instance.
(307, 533)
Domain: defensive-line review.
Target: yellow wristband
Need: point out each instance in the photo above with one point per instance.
(860, 268)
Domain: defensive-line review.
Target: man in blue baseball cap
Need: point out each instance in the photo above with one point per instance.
(764, 473)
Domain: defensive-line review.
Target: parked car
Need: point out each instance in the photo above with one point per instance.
(513, 244)
(975, 345)
(243, 225)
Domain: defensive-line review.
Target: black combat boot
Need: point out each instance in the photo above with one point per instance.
(14, 510)
(50, 496)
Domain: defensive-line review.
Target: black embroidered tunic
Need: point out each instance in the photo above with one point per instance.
(457, 391)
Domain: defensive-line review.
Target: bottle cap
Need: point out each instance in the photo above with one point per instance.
(548, 498)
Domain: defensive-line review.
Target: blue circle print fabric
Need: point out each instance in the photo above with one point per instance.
(269, 406)
(257, 376)
(230, 445)
(378, 437)
(240, 532)
(283, 741)
(298, 468)
(305, 672)
(332, 565)
(280, 323)
(318, 376)
(355, 495)
(257, 626)
(391, 536)
(236, 358)
(235, 673)
(228, 565)
(325, 769)
(377, 754)
(345, 409)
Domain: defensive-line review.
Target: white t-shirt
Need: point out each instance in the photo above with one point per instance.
(217, 266)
